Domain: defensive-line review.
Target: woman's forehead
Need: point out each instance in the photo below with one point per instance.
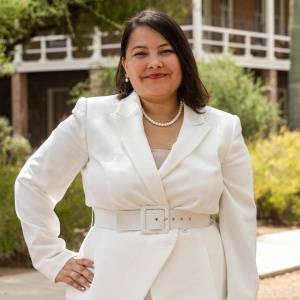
(144, 37)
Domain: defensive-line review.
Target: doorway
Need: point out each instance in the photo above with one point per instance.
(58, 107)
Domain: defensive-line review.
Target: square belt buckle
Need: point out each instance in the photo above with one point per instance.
(158, 214)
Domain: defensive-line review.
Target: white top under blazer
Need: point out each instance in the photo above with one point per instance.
(207, 171)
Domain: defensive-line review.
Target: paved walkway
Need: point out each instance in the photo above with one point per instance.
(276, 253)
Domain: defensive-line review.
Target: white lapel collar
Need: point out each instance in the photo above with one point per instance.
(193, 131)
(129, 119)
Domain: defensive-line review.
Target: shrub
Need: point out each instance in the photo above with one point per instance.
(13, 149)
(276, 167)
(235, 90)
(74, 217)
(106, 86)
(12, 246)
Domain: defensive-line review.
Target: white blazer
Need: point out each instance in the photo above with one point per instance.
(207, 171)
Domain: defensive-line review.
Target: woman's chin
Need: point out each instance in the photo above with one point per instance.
(156, 95)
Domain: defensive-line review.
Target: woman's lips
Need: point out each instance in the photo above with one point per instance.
(156, 76)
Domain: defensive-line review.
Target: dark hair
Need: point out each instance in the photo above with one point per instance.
(191, 89)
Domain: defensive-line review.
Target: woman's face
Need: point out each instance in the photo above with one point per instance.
(152, 65)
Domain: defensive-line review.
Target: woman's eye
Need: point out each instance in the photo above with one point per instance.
(167, 51)
(139, 54)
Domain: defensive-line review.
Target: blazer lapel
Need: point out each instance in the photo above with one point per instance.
(193, 131)
(129, 119)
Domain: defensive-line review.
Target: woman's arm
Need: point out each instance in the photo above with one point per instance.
(238, 219)
(41, 184)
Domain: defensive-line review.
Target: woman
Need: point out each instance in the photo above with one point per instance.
(156, 162)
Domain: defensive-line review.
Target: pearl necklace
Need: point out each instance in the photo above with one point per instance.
(167, 123)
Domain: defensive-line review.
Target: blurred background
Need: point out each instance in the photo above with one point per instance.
(248, 55)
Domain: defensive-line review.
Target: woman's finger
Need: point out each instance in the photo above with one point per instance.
(84, 262)
(76, 273)
(74, 284)
(82, 267)
(79, 279)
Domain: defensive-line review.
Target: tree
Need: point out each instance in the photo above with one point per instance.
(294, 73)
(23, 19)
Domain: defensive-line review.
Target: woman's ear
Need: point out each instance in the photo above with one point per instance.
(124, 64)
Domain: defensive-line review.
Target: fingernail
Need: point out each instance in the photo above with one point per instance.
(82, 288)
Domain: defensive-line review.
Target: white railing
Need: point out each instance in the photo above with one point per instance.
(252, 41)
(57, 52)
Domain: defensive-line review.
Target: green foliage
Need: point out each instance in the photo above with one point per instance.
(81, 89)
(74, 216)
(104, 85)
(235, 90)
(13, 149)
(276, 168)
(12, 246)
(5, 66)
(22, 20)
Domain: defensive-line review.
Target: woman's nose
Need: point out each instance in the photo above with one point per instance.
(154, 62)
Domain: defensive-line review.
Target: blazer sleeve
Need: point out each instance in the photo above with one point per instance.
(237, 219)
(41, 184)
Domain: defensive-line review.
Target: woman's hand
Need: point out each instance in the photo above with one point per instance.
(76, 273)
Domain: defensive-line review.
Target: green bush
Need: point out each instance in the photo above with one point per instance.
(13, 149)
(276, 167)
(235, 90)
(74, 216)
(12, 246)
(106, 86)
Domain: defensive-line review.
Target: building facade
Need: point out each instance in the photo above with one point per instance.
(255, 32)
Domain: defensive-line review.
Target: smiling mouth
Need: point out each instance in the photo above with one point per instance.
(156, 76)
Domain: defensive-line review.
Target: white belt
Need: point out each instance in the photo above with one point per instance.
(149, 219)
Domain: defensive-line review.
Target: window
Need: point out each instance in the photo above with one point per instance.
(259, 15)
(280, 17)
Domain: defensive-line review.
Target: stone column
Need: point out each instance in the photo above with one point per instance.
(270, 78)
(19, 96)
(271, 82)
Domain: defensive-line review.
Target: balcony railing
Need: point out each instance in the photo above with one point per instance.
(57, 52)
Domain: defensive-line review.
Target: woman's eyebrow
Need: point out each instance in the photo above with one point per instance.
(144, 47)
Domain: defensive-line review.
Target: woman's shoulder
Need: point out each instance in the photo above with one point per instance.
(215, 116)
(99, 104)
(222, 122)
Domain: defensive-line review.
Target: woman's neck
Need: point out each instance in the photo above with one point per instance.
(161, 111)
